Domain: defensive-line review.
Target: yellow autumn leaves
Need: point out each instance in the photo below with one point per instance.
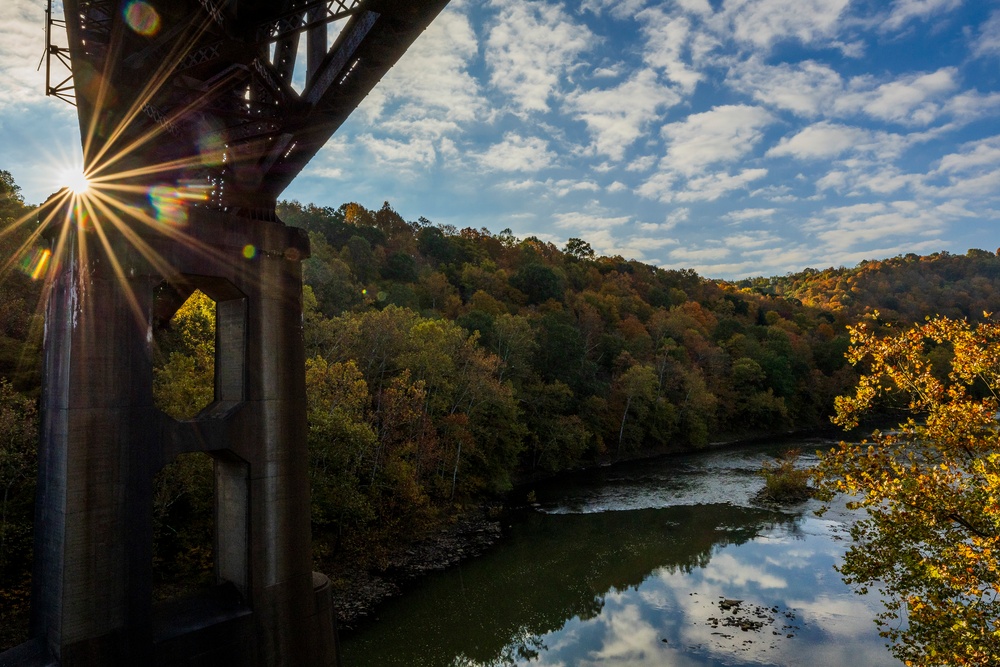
(929, 487)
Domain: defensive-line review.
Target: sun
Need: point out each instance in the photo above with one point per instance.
(76, 181)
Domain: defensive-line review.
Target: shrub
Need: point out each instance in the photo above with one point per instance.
(783, 481)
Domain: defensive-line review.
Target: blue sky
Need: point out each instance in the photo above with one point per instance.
(734, 137)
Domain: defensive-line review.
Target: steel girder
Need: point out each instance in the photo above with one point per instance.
(213, 93)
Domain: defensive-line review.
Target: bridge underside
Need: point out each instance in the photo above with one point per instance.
(233, 97)
(194, 115)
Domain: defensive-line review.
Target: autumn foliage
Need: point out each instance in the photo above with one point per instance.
(930, 489)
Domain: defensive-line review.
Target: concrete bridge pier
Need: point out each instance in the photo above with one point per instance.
(103, 441)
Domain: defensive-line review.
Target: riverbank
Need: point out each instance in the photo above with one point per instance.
(357, 593)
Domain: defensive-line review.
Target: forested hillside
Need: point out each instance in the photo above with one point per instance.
(903, 289)
(444, 365)
(447, 363)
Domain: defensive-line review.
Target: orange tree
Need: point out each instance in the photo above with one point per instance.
(930, 489)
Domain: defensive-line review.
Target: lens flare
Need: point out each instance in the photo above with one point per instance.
(171, 203)
(249, 251)
(142, 18)
(34, 264)
(82, 215)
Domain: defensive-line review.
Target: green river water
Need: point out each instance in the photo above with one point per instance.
(638, 565)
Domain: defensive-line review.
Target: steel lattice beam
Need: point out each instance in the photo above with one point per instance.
(228, 75)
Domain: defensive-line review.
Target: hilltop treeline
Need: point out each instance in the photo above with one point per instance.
(904, 289)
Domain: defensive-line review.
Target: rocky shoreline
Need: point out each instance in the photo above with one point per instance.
(359, 593)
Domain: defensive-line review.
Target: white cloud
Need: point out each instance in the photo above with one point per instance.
(587, 221)
(629, 639)
(637, 247)
(20, 48)
(955, 209)
(762, 23)
(811, 89)
(644, 163)
(820, 141)
(668, 36)
(775, 193)
(903, 11)
(566, 186)
(970, 105)
(659, 186)
(825, 140)
(723, 134)
(607, 72)
(516, 153)
(677, 216)
(856, 177)
(673, 218)
(699, 255)
(415, 153)
(406, 123)
(887, 180)
(833, 180)
(619, 9)
(803, 88)
(431, 82)
(749, 242)
(983, 185)
(751, 214)
(910, 99)
(529, 48)
(988, 42)
(845, 228)
(698, 7)
(617, 116)
(713, 186)
(515, 186)
(332, 173)
(973, 155)
(650, 243)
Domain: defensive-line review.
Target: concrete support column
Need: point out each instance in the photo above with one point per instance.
(103, 441)
(91, 587)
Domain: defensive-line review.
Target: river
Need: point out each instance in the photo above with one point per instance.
(653, 563)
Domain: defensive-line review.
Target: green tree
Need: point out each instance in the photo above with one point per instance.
(557, 438)
(538, 282)
(634, 391)
(930, 537)
(18, 466)
(11, 202)
(330, 278)
(579, 249)
(340, 439)
(23, 262)
(185, 382)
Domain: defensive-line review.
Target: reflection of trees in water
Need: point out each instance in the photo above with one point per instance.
(492, 611)
(527, 646)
